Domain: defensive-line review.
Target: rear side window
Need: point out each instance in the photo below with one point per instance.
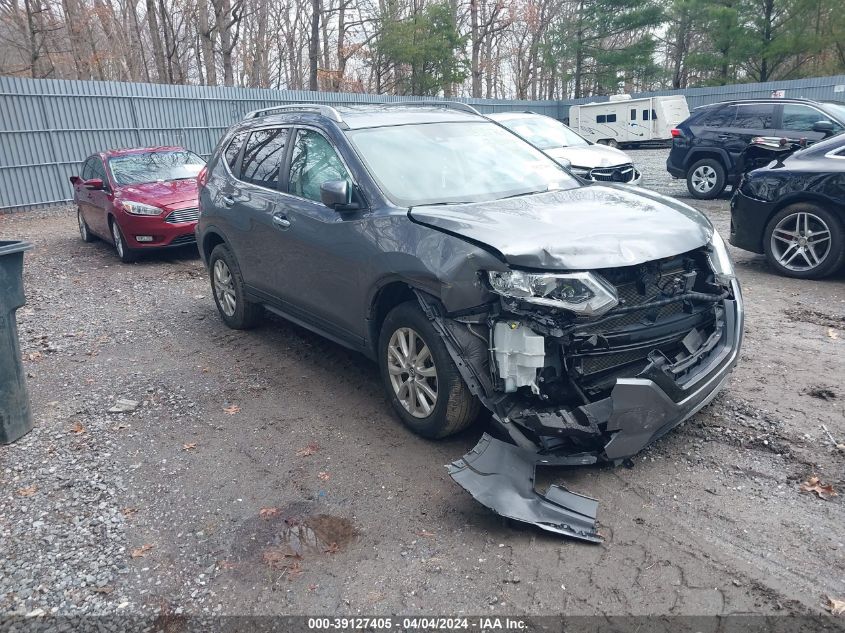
(601, 119)
(611, 118)
(233, 150)
(263, 156)
(757, 116)
(645, 115)
(633, 115)
(723, 117)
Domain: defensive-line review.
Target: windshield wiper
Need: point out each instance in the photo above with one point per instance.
(526, 193)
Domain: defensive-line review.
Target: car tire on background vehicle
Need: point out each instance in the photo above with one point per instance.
(227, 287)
(805, 241)
(706, 179)
(126, 254)
(84, 232)
(413, 360)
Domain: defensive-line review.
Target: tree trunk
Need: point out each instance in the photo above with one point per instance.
(314, 46)
(207, 36)
(155, 36)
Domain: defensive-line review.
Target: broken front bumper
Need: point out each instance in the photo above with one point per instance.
(638, 410)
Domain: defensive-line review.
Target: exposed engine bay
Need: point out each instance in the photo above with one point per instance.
(567, 389)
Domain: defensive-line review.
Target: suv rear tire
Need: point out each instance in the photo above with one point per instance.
(227, 287)
(785, 241)
(415, 365)
(706, 179)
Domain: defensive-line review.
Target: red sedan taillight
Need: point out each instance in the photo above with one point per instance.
(202, 177)
(676, 133)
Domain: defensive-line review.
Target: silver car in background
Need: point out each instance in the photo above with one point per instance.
(590, 161)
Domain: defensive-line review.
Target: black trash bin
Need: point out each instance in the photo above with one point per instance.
(15, 414)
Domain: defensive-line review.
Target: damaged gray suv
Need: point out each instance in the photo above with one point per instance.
(588, 318)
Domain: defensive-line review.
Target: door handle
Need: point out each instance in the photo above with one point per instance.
(281, 221)
(228, 201)
(723, 137)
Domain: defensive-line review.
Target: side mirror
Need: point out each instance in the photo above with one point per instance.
(825, 127)
(75, 180)
(95, 184)
(337, 195)
(565, 163)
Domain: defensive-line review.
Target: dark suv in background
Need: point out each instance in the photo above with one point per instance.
(706, 147)
(588, 318)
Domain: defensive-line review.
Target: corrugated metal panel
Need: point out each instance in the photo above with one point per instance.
(48, 126)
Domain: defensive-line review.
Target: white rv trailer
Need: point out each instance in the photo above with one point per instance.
(627, 122)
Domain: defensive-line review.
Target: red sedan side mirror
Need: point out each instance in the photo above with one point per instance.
(94, 183)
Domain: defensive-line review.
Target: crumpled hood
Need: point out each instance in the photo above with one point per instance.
(167, 194)
(587, 227)
(590, 155)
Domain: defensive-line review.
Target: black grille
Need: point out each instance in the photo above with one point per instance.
(188, 238)
(617, 173)
(183, 215)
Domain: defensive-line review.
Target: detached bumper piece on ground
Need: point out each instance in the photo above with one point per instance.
(568, 391)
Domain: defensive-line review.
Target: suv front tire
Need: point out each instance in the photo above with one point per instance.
(419, 377)
(227, 286)
(706, 179)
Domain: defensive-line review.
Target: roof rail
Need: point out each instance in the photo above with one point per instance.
(326, 111)
(452, 105)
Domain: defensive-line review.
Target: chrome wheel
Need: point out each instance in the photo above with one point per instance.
(224, 288)
(704, 179)
(801, 241)
(413, 375)
(118, 240)
(83, 229)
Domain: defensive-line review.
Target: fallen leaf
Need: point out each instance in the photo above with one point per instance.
(33, 356)
(227, 564)
(129, 512)
(815, 485)
(294, 570)
(332, 548)
(278, 557)
(138, 552)
(77, 428)
(28, 491)
(205, 370)
(231, 409)
(837, 607)
(309, 450)
(266, 513)
(324, 476)
(189, 447)
(425, 533)
(832, 333)
(104, 589)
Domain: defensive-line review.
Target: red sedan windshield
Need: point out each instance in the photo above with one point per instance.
(134, 169)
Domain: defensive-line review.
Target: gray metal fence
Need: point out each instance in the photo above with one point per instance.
(48, 126)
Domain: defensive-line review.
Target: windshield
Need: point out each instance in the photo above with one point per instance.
(544, 132)
(134, 169)
(445, 163)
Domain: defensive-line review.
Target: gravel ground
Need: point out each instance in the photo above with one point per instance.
(262, 472)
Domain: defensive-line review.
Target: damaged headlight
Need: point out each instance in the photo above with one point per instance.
(585, 294)
(720, 259)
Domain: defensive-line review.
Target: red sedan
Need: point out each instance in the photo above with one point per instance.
(138, 199)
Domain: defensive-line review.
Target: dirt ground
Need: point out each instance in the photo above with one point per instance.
(267, 474)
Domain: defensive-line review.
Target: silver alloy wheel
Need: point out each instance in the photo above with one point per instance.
(83, 229)
(413, 375)
(704, 179)
(224, 288)
(118, 241)
(801, 241)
